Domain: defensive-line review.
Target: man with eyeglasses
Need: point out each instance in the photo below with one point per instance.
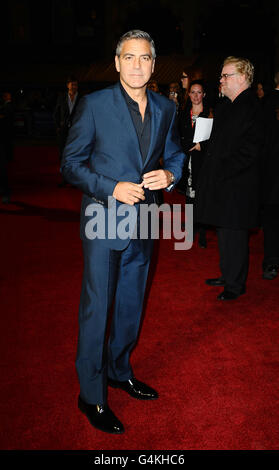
(228, 189)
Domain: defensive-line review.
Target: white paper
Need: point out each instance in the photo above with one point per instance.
(202, 129)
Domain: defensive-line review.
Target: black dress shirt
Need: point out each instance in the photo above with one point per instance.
(142, 127)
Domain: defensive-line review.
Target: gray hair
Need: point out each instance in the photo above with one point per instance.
(135, 34)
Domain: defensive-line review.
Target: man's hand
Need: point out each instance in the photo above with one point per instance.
(157, 179)
(196, 147)
(129, 193)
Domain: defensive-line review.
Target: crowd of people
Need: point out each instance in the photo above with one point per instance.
(192, 101)
(190, 97)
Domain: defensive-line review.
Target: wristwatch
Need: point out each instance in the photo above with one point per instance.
(172, 177)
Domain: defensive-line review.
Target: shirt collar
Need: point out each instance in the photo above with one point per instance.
(74, 97)
(130, 100)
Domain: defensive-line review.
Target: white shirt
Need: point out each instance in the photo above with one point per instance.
(71, 103)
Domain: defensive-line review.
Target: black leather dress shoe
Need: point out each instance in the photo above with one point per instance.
(228, 295)
(270, 272)
(218, 281)
(101, 417)
(135, 388)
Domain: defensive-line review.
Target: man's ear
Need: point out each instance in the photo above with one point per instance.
(117, 65)
(241, 78)
(153, 65)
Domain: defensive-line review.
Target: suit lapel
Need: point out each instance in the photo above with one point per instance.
(123, 114)
(156, 113)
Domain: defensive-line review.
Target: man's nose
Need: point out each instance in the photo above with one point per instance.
(136, 62)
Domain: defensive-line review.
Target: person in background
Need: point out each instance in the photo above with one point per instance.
(64, 113)
(260, 92)
(270, 193)
(185, 82)
(227, 195)
(153, 86)
(174, 93)
(195, 108)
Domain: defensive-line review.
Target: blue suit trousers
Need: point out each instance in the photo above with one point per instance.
(109, 275)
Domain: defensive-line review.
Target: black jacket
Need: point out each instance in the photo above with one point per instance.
(62, 116)
(228, 188)
(187, 131)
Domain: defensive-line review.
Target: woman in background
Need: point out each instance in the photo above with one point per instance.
(195, 107)
(260, 90)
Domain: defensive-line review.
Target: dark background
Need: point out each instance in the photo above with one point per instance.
(83, 31)
(43, 42)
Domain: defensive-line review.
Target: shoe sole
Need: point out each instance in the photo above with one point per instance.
(94, 425)
(235, 298)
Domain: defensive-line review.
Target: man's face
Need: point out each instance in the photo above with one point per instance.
(173, 87)
(135, 63)
(232, 83)
(153, 86)
(72, 87)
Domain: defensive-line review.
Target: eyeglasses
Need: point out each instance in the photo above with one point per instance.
(226, 75)
(184, 76)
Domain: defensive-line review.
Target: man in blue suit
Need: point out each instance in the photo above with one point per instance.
(112, 154)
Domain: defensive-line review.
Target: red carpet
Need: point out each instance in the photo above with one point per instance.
(215, 365)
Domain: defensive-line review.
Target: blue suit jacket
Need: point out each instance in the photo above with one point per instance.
(102, 148)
